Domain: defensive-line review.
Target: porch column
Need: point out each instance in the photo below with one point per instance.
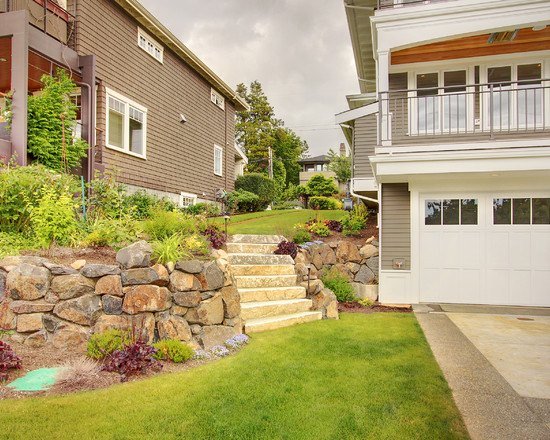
(382, 88)
(88, 69)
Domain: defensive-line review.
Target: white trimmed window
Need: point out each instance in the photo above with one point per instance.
(150, 46)
(217, 99)
(126, 125)
(187, 199)
(218, 160)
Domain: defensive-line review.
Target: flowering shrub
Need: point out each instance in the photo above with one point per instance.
(135, 358)
(202, 354)
(237, 341)
(217, 238)
(219, 351)
(334, 225)
(287, 248)
(8, 360)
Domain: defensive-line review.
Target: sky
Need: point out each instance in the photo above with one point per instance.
(299, 50)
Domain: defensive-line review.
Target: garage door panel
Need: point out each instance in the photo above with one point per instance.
(448, 244)
(450, 285)
(541, 249)
(498, 286)
(431, 244)
(520, 286)
(430, 284)
(498, 252)
(470, 249)
(520, 255)
(470, 287)
(541, 288)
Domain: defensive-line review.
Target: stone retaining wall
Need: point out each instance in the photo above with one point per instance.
(193, 301)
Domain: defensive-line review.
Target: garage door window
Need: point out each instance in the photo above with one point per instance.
(524, 211)
(450, 212)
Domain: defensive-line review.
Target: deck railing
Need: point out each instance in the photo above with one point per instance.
(47, 16)
(485, 111)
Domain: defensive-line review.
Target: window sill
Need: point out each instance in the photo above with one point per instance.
(218, 175)
(129, 153)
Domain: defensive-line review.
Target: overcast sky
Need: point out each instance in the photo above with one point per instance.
(299, 50)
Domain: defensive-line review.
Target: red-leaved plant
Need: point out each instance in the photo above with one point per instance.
(217, 238)
(8, 360)
(287, 248)
(135, 358)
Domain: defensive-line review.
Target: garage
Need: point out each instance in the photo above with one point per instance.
(485, 248)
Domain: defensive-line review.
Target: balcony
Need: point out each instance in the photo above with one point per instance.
(468, 113)
(47, 16)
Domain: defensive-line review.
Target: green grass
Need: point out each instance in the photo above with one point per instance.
(363, 377)
(276, 222)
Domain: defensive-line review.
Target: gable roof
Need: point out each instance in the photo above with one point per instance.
(323, 158)
(136, 10)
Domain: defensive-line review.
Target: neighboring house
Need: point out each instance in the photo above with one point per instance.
(319, 165)
(451, 135)
(149, 107)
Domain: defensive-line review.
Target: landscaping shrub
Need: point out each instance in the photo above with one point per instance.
(195, 245)
(334, 225)
(258, 184)
(219, 351)
(216, 237)
(206, 209)
(53, 218)
(365, 302)
(101, 345)
(136, 358)
(339, 284)
(13, 243)
(107, 199)
(78, 374)
(355, 220)
(164, 224)
(285, 205)
(320, 185)
(8, 360)
(111, 232)
(237, 341)
(173, 350)
(326, 203)
(301, 235)
(168, 249)
(243, 201)
(287, 248)
(140, 204)
(318, 228)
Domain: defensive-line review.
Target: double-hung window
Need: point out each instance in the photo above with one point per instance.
(126, 125)
(218, 160)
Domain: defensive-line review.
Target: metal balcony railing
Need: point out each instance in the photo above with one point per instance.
(483, 111)
(46, 15)
(390, 4)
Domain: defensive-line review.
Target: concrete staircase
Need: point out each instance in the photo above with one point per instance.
(270, 297)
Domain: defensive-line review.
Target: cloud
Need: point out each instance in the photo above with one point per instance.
(299, 50)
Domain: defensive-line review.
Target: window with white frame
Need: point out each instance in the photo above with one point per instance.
(218, 160)
(217, 99)
(126, 125)
(187, 199)
(150, 46)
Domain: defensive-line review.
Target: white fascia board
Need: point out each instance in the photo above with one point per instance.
(352, 115)
(241, 154)
(438, 21)
(408, 165)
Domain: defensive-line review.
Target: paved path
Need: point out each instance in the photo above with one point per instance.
(490, 406)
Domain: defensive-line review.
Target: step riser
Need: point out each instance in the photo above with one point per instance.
(257, 239)
(272, 295)
(249, 248)
(268, 281)
(244, 259)
(279, 269)
(261, 327)
(267, 311)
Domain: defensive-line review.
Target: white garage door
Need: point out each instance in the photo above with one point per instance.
(481, 248)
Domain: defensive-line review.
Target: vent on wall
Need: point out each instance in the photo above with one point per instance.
(502, 37)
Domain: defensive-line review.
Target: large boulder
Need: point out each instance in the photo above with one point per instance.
(313, 287)
(174, 327)
(142, 324)
(72, 286)
(346, 252)
(373, 264)
(231, 301)
(182, 282)
(190, 266)
(9, 263)
(83, 310)
(209, 312)
(141, 275)
(50, 322)
(213, 335)
(8, 319)
(188, 299)
(135, 255)
(368, 251)
(353, 267)
(99, 270)
(148, 298)
(109, 285)
(162, 274)
(28, 282)
(325, 301)
(68, 335)
(29, 323)
(37, 340)
(39, 306)
(364, 276)
(112, 305)
(58, 269)
(212, 277)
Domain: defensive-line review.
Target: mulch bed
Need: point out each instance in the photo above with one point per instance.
(354, 307)
(67, 255)
(370, 230)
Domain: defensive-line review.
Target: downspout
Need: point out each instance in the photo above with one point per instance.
(90, 137)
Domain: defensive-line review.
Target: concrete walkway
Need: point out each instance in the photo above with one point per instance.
(490, 406)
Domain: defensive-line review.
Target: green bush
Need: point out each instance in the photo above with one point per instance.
(327, 203)
(53, 219)
(319, 228)
(301, 234)
(243, 201)
(203, 208)
(285, 205)
(173, 350)
(258, 184)
(11, 243)
(320, 185)
(339, 284)
(140, 204)
(163, 224)
(355, 220)
(21, 188)
(101, 345)
(107, 196)
(168, 250)
(111, 232)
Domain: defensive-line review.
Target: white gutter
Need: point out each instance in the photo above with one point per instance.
(354, 194)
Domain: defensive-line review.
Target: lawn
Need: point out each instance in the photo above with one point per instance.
(276, 222)
(363, 377)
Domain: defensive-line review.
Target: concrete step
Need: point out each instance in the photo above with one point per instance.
(251, 281)
(274, 322)
(258, 259)
(250, 248)
(271, 293)
(264, 269)
(257, 239)
(265, 309)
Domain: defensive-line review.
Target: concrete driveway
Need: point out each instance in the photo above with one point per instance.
(497, 363)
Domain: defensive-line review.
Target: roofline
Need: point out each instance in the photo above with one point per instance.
(241, 153)
(356, 113)
(151, 24)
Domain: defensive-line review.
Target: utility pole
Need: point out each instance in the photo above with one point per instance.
(270, 163)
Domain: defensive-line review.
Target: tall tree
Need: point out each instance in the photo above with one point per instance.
(340, 165)
(289, 148)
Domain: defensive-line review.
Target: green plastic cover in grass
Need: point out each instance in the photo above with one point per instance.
(37, 380)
